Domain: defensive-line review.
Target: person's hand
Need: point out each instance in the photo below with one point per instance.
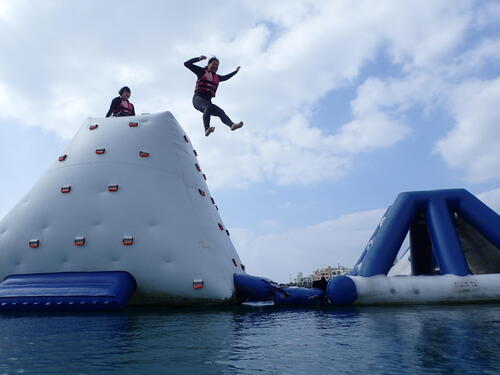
(238, 68)
(202, 57)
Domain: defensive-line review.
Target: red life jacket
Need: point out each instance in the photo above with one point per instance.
(208, 82)
(124, 107)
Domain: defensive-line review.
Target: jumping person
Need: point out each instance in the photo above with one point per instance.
(120, 106)
(206, 87)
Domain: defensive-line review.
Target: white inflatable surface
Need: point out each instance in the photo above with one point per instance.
(137, 202)
(381, 289)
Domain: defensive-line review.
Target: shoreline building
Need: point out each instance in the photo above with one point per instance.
(328, 273)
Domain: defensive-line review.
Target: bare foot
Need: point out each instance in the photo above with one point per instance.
(209, 131)
(237, 125)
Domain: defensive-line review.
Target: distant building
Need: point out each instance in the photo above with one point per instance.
(304, 281)
(330, 272)
(327, 273)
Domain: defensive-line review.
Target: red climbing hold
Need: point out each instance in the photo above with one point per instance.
(128, 240)
(66, 189)
(79, 241)
(34, 243)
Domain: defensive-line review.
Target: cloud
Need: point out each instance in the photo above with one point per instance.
(80, 56)
(375, 130)
(280, 255)
(476, 59)
(491, 198)
(487, 15)
(423, 34)
(474, 143)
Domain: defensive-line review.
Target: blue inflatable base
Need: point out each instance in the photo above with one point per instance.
(341, 290)
(253, 288)
(299, 297)
(66, 291)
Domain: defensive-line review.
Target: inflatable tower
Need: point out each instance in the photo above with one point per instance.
(128, 194)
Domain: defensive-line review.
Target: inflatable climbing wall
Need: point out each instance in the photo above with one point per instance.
(128, 194)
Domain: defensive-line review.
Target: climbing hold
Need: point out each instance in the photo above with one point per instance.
(80, 241)
(65, 189)
(128, 240)
(197, 284)
(34, 243)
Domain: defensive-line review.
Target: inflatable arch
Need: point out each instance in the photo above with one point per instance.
(454, 255)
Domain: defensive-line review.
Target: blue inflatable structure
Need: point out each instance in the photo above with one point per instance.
(454, 256)
(454, 253)
(67, 291)
(429, 216)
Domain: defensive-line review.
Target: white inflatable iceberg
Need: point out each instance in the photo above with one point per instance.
(128, 194)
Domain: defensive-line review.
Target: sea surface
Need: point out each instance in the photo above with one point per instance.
(256, 339)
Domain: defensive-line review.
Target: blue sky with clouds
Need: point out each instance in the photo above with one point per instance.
(345, 103)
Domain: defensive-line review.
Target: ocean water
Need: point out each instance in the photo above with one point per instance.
(256, 339)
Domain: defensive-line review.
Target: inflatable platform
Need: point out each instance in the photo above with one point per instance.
(67, 291)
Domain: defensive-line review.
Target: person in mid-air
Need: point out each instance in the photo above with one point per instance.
(206, 87)
(120, 106)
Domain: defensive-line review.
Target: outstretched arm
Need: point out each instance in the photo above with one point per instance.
(227, 76)
(198, 70)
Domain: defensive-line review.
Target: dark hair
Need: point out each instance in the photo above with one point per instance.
(212, 59)
(123, 89)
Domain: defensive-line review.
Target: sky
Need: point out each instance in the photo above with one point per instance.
(345, 104)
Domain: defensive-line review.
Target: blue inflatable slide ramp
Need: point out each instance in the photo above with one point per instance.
(66, 291)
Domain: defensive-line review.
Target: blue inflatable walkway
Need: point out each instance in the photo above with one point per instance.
(67, 291)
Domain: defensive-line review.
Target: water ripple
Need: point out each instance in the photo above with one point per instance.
(256, 339)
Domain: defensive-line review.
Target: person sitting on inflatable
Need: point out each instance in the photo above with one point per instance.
(120, 106)
(206, 87)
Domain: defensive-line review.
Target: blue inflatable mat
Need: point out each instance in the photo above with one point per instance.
(67, 291)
